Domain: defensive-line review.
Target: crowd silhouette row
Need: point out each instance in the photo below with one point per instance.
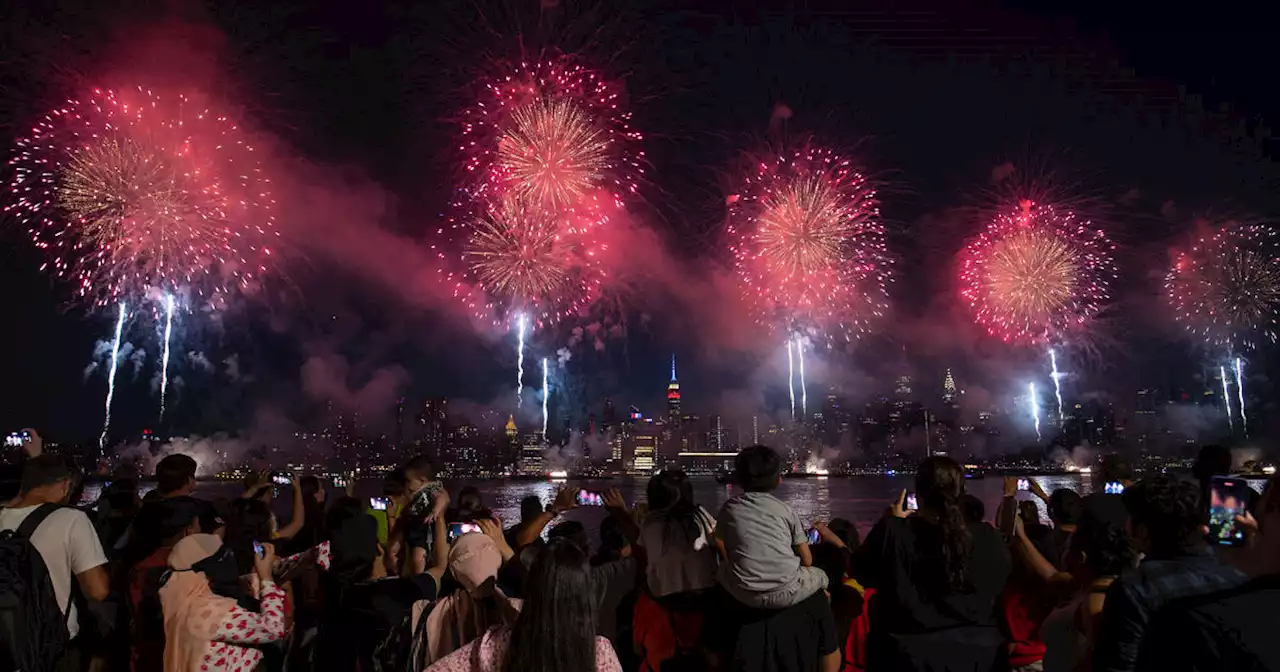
(433, 581)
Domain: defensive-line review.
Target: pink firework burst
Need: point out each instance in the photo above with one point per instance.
(556, 137)
(1225, 289)
(808, 244)
(522, 261)
(128, 192)
(1037, 274)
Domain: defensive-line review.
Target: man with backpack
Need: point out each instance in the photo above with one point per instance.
(43, 544)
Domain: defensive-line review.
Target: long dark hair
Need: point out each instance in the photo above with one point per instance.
(556, 629)
(314, 529)
(248, 520)
(670, 494)
(940, 488)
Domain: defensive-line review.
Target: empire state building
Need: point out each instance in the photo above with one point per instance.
(673, 395)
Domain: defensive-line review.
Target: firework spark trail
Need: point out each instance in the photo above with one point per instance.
(544, 398)
(1226, 396)
(1244, 418)
(520, 325)
(164, 362)
(808, 244)
(1057, 382)
(791, 376)
(1035, 408)
(111, 376)
(1036, 274)
(804, 389)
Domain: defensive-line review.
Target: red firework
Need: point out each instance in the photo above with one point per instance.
(128, 192)
(1037, 274)
(808, 244)
(557, 137)
(551, 156)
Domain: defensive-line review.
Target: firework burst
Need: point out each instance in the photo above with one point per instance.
(808, 244)
(526, 262)
(1225, 289)
(557, 137)
(1037, 275)
(128, 192)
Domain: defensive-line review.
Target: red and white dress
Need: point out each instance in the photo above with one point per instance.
(230, 649)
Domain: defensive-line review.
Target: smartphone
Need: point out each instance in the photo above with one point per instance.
(813, 535)
(259, 550)
(458, 529)
(1113, 488)
(16, 439)
(1228, 498)
(589, 498)
(379, 503)
(1024, 484)
(279, 478)
(339, 482)
(912, 504)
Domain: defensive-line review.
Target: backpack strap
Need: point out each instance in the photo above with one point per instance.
(28, 528)
(33, 519)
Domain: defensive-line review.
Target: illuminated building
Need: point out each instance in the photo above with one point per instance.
(645, 448)
(715, 438)
(949, 388)
(673, 395)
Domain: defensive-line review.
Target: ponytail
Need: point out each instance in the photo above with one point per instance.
(956, 544)
(940, 485)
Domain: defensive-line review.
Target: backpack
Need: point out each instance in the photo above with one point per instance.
(405, 647)
(33, 627)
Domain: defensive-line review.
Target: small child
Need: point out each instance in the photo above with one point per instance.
(427, 501)
(769, 565)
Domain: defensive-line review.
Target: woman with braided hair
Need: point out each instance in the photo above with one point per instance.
(937, 578)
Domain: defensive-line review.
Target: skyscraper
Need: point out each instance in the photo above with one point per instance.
(673, 395)
(948, 388)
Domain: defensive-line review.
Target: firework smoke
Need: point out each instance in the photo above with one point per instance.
(1225, 289)
(804, 389)
(1037, 274)
(1034, 402)
(808, 244)
(164, 361)
(111, 376)
(791, 375)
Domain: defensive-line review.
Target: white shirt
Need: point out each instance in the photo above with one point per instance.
(678, 564)
(68, 544)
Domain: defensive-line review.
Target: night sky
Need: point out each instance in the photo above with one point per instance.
(356, 105)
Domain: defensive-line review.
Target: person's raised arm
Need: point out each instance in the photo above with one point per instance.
(617, 506)
(439, 549)
(299, 512)
(1032, 559)
(531, 532)
(1038, 491)
(827, 535)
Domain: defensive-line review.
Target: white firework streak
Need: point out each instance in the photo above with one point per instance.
(1244, 419)
(1057, 382)
(1226, 396)
(111, 376)
(519, 359)
(544, 398)
(1035, 408)
(164, 362)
